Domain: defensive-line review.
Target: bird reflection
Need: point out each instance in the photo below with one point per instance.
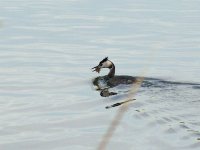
(107, 93)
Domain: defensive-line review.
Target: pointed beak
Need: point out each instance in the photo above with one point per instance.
(97, 69)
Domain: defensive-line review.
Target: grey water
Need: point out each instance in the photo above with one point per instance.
(47, 50)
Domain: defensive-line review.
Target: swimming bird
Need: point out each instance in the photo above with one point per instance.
(110, 80)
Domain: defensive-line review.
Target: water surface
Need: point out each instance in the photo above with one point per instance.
(47, 48)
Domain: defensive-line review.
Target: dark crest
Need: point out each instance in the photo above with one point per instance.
(104, 60)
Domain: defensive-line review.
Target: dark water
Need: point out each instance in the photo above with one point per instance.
(47, 48)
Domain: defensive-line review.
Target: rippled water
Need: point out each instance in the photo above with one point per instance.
(47, 48)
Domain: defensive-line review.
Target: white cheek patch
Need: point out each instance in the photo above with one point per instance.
(106, 64)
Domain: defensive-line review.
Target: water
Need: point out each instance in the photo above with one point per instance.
(47, 48)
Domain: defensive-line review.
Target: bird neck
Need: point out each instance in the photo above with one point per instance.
(112, 71)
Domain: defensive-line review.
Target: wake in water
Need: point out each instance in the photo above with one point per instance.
(168, 108)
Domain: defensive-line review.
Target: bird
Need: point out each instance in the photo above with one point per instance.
(110, 80)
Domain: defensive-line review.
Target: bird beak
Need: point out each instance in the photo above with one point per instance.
(97, 69)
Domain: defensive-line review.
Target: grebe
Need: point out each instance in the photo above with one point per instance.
(110, 80)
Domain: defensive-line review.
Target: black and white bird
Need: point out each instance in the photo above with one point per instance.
(110, 80)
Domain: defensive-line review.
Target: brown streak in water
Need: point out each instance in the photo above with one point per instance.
(118, 117)
(109, 133)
